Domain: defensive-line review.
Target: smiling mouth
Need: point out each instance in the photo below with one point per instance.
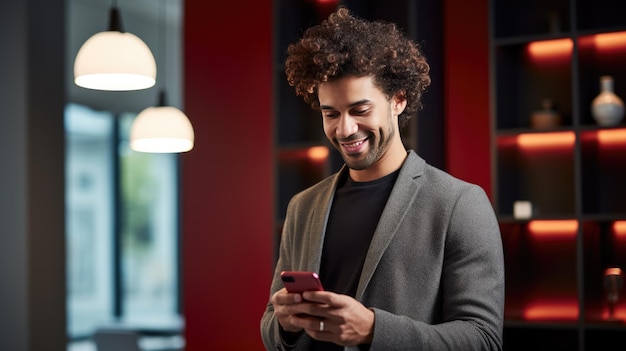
(354, 147)
(355, 144)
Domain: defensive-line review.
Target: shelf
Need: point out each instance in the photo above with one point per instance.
(552, 18)
(573, 172)
(299, 169)
(541, 68)
(531, 76)
(538, 168)
(541, 271)
(600, 15)
(530, 17)
(604, 247)
(600, 54)
(297, 121)
(527, 39)
(604, 171)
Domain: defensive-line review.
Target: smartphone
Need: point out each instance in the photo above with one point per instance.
(299, 281)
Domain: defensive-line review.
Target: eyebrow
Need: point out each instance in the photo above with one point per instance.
(357, 103)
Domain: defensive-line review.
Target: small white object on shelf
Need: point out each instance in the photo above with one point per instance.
(522, 209)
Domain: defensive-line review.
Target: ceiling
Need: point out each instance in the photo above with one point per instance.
(157, 22)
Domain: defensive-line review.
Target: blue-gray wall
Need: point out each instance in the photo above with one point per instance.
(32, 235)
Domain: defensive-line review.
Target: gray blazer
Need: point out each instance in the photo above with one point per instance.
(434, 272)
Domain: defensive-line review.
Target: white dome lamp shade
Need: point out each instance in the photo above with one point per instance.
(115, 60)
(161, 129)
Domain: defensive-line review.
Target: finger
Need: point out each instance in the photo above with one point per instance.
(306, 309)
(282, 297)
(316, 325)
(322, 297)
(288, 324)
(306, 322)
(321, 330)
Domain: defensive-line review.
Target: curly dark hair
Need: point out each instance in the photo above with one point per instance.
(345, 45)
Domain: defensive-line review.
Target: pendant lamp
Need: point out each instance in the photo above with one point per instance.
(161, 129)
(114, 60)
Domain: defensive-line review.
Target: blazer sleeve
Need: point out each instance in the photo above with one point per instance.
(270, 328)
(271, 334)
(472, 287)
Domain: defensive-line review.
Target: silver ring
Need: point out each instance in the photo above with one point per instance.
(321, 326)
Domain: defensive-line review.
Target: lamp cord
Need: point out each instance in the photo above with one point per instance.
(115, 18)
(162, 51)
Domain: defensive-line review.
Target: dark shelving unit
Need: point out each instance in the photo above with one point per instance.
(573, 175)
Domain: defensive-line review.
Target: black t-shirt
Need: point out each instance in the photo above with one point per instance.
(353, 218)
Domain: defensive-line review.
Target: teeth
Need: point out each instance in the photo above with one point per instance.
(354, 144)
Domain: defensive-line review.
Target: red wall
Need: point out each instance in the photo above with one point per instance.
(466, 71)
(227, 184)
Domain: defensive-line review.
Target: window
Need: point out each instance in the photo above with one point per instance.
(149, 231)
(122, 225)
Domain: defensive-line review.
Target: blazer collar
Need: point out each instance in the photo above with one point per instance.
(398, 204)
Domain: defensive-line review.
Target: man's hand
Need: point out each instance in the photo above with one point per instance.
(345, 321)
(285, 307)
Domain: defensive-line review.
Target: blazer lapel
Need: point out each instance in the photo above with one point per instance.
(318, 222)
(402, 194)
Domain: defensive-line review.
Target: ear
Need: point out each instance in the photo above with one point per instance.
(398, 103)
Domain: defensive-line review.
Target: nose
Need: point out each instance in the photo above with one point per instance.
(346, 126)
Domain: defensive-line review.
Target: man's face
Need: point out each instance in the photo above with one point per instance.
(358, 119)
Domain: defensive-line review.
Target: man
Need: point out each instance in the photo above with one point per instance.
(410, 257)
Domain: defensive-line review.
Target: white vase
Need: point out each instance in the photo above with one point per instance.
(607, 108)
